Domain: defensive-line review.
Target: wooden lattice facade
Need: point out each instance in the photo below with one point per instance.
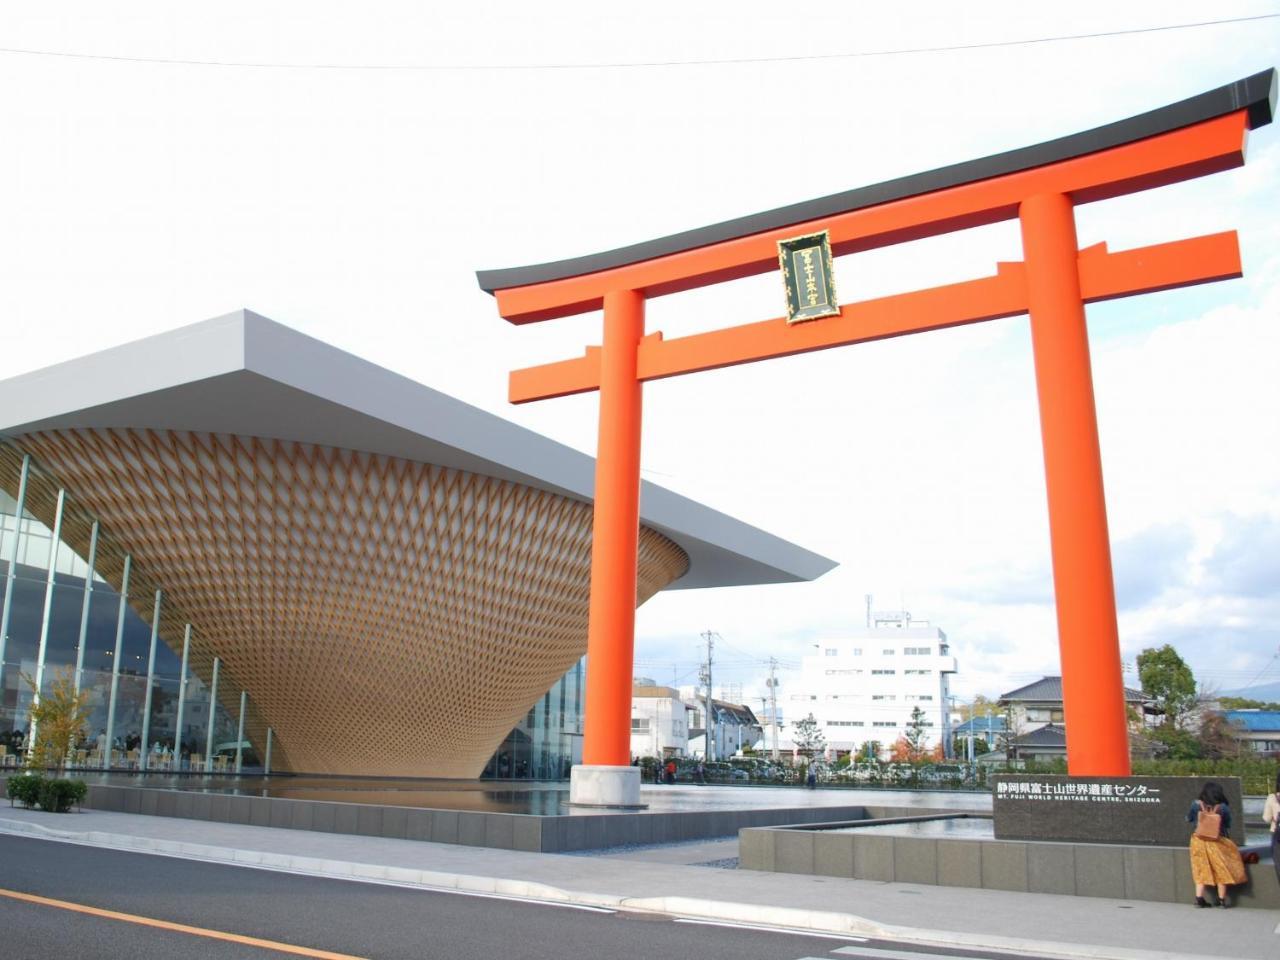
(387, 617)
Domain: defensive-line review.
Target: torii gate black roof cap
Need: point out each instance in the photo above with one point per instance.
(1257, 94)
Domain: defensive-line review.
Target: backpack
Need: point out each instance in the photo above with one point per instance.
(1208, 823)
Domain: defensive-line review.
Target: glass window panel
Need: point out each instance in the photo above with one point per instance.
(25, 611)
(130, 699)
(195, 716)
(100, 640)
(137, 643)
(33, 546)
(164, 710)
(98, 685)
(64, 626)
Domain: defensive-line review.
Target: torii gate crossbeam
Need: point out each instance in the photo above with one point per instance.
(1040, 186)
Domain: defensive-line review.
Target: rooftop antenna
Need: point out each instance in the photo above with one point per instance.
(868, 610)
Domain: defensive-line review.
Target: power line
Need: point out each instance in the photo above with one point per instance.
(638, 64)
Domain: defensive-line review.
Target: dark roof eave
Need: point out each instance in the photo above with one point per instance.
(1255, 94)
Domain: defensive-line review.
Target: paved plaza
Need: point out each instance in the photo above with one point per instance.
(696, 881)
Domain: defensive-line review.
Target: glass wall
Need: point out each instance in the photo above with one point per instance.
(78, 603)
(548, 740)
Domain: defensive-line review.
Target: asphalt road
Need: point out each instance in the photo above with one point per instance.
(336, 917)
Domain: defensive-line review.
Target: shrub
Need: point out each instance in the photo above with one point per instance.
(57, 796)
(25, 788)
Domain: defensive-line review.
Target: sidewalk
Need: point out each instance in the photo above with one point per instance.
(670, 880)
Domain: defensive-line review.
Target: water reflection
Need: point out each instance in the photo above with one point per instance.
(551, 798)
(952, 828)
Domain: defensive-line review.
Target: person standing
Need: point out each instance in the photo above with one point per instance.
(1271, 814)
(1215, 859)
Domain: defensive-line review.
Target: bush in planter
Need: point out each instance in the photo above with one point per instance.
(57, 796)
(25, 788)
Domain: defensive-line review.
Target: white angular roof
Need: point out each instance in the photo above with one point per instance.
(247, 375)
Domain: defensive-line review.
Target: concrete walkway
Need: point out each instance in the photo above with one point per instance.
(673, 880)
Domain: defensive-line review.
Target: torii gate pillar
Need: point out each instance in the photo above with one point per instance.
(600, 780)
(1083, 585)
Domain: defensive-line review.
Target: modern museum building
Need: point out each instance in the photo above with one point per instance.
(250, 547)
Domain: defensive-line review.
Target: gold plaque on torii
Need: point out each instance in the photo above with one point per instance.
(808, 277)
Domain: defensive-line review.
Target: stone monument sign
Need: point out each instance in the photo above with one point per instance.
(1149, 811)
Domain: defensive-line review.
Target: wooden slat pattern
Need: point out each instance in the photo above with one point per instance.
(387, 617)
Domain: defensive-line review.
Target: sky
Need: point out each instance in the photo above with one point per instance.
(345, 169)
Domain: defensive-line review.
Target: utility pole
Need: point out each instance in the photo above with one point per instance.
(773, 702)
(949, 703)
(705, 676)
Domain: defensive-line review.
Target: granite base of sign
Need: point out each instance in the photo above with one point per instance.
(1144, 811)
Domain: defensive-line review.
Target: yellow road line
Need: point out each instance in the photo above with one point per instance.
(177, 927)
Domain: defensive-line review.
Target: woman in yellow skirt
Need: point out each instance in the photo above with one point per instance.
(1215, 860)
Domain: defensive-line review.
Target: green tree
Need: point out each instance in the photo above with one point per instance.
(808, 737)
(59, 715)
(1168, 681)
(1176, 744)
(1012, 730)
(1218, 738)
(979, 707)
(1243, 703)
(916, 736)
(960, 746)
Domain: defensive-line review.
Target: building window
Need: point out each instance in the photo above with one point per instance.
(1044, 714)
(857, 651)
(639, 724)
(884, 696)
(831, 651)
(918, 673)
(917, 651)
(889, 652)
(883, 673)
(884, 723)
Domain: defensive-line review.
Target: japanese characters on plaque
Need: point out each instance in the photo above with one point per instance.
(1126, 810)
(1113, 792)
(808, 278)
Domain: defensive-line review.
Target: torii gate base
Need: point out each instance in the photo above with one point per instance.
(1040, 185)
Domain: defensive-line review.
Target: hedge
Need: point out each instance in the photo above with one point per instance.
(55, 796)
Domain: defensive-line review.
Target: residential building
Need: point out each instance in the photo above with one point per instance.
(989, 729)
(659, 721)
(1039, 704)
(1259, 730)
(864, 685)
(734, 726)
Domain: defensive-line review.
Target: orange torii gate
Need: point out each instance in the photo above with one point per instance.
(1039, 185)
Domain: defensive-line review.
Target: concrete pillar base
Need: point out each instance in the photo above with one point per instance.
(601, 786)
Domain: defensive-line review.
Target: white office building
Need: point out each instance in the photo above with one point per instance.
(659, 721)
(864, 685)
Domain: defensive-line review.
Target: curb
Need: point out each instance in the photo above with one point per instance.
(748, 914)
